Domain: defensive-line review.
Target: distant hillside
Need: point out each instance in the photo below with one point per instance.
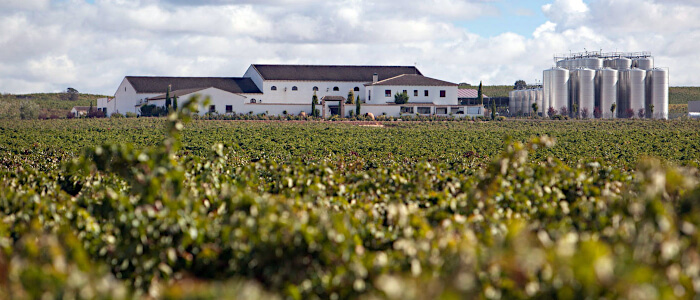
(683, 94)
(491, 90)
(52, 103)
(677, 95)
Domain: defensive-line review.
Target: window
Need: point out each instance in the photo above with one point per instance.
(315, 89)
(441, 110)
(415, 93)
(387, 93)
(426, 93)
(212, 108)
(229, 109)
(357, 89)
(442, 94)
(405, 92)
(335, 89)
(273, 88)
(253, 101)
(406, 109)
(424, 110)
(294, 88)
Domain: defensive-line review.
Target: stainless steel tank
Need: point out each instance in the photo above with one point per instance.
(525, 105)
(657, 85)
(573, 91)
(517, 107)
(592, 63)
(607, 85)
(559, 96)
(561, 63)
(645, 63)
(540, 101)
(622, 93)
(636, 90)
(585, 92)
(511, 101)
(546, 90)
(622, 63)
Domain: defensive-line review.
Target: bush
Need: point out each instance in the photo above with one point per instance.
(500, 118)
(131, 115)
(116, 115)
(28, 110)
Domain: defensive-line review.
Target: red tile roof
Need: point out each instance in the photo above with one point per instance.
(468, 93)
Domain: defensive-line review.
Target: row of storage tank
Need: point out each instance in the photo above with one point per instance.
(580, 91)
(595, 63)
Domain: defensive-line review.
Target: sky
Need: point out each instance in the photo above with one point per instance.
(90, 45)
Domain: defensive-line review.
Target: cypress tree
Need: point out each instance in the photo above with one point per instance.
(314, 99)
(481, 95)
(167, 97)
(351, 97)
(174, 102)
(357, 105)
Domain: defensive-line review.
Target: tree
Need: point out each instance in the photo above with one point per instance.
(534, 108)
(73, 94)
(174, 102)
(584, 113)
(168, 102)
(91, 108)
(520, 85)
(314, 99)
(651, 111)
(597, 113)
(641, 113)
(612, 109)
(351, 97)
(401, 98)
(493, 109)
(551, 112)
(574, 110)
(28, 110)
(480, 94)
(564, 111)
(357, 105)
(629, 113)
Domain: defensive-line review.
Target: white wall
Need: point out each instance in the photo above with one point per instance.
(253, 74)
(378, 94)
(125, 98)
(105, 103)
(305, 90)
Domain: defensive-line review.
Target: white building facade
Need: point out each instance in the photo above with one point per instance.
(289, 89)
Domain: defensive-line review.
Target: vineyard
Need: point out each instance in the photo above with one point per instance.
(176, 208)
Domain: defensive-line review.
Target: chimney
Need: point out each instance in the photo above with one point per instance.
(375, 78)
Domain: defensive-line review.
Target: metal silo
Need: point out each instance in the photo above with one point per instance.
(607, 86)
(622, 63)
(517, 106)
(540, 100)
(592, 63)
(525, 105)
(645, 63)
(658, 91)
(622, 93)
(546, 90)
(585, 92)
(561, 63)
(511, 101)
(560, 88)
(636, 90)
(533, 99)
(573, 90)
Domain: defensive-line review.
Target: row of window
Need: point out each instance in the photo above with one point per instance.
(315, 89)
(427, 110)
(443, 93)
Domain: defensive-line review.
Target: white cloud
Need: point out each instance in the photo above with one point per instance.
(47, 46)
